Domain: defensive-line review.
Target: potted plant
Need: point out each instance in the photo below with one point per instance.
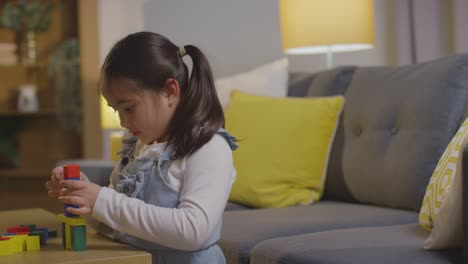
(26, 18)
(64, 71)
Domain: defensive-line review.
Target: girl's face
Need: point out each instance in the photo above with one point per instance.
(144, 113)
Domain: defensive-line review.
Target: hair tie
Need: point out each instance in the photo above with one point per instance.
(182, 51)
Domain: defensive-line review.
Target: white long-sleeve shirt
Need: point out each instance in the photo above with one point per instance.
(203, 179)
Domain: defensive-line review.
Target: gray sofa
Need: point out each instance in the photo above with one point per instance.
(395, 125)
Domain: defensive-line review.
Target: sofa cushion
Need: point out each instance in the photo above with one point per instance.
(397, 122)
(244, 229)
(270, 79)
(299, 83)
(230, 206)
(442, 209)
(389, 244)
(284, 147)
(328, 83)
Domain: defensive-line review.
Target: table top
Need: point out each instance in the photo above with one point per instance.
(100, 249)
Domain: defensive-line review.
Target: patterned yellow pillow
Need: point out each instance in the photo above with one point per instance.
(439, 202)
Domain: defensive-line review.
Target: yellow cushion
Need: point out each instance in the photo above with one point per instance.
(284, 146)
(441, 209)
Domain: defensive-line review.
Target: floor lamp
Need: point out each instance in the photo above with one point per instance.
(326, 26)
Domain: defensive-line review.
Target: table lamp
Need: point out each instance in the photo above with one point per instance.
(112, 131)
(326, 26)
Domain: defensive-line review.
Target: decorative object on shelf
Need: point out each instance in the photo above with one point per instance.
(64, 70)
(27, 99)
(7, 54)
(26, 18)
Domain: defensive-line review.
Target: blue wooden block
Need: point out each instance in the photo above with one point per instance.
(45, 230)
(68, 214)
(65, 206)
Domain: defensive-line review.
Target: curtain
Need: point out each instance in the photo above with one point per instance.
(430, 29)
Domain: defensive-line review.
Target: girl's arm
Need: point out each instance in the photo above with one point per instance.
(97, 225)
(205, 190)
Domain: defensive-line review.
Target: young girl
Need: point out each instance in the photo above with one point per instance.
(168, 193)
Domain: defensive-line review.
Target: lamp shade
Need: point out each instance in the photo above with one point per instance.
(109, 118)
(316, 26)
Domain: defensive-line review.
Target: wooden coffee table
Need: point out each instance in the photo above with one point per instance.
(100, 249)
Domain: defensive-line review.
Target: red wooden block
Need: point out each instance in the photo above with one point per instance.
(17, 229)
(71, 172)
(22, 233)
(4, 238)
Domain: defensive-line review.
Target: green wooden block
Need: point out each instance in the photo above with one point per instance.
(52, 233)
(78, 238)
(41, 234)
(32, 227)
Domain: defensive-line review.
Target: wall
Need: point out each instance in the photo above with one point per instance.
(238, 35)
(117, 18)
(460, 20)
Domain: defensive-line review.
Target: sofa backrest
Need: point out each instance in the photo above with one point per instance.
(395, 125)
(327, 83)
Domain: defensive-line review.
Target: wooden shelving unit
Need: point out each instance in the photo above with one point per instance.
(25, 173)
(14, 113)
(38, 138)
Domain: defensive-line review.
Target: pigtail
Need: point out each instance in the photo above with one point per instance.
(199, 114)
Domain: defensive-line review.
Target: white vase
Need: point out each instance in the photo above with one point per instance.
(27, 98)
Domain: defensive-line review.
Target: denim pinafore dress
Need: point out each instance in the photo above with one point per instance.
(144, 179)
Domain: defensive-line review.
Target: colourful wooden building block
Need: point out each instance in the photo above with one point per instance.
(42, 236)
(32, 227)
(17, 229)
(45, 230)
(71, 172)
(6, 247)
(52, 233)
(66, 236)
(78, 238)
(33, 243)
(73, 233)
(18, 242)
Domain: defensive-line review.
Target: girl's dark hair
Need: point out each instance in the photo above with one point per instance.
(150, 59)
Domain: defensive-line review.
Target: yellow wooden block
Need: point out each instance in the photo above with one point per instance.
(73, 221)
(67, 236)
(62, 217)
(33, 243)
(76, 221)
(19, 242)
(6, 248)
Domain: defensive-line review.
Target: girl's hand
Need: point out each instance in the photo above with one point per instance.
(82, 193)
(52, 185)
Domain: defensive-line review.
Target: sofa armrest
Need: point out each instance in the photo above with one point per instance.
(465, 202)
